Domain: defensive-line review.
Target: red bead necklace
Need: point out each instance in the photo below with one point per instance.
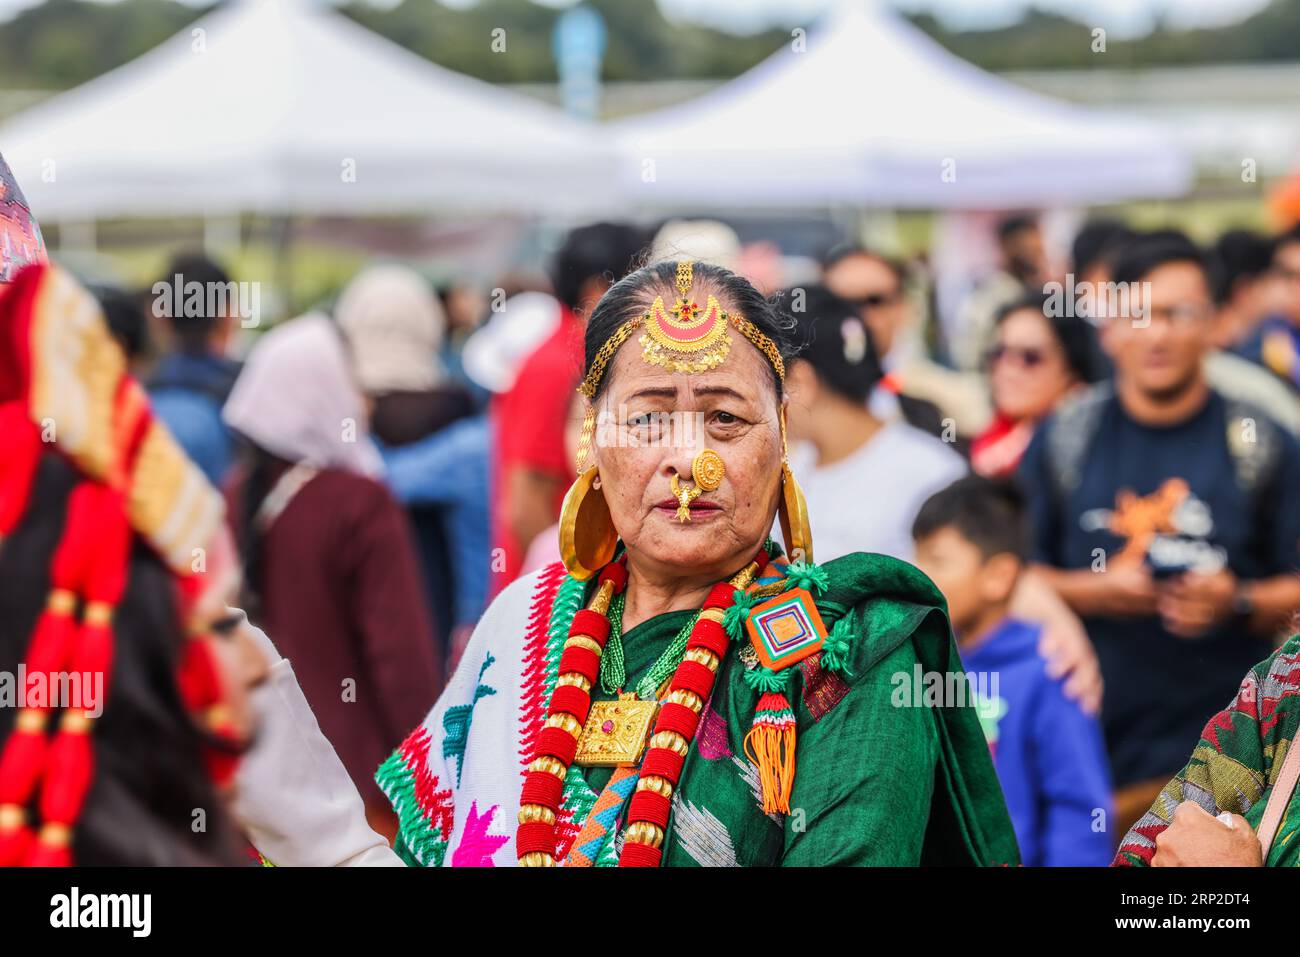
(675, 726)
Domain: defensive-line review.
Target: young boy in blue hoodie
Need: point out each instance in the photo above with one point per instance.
(1049, 755)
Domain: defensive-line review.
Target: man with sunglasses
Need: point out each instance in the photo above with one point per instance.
(1168, 517)
(927, 395)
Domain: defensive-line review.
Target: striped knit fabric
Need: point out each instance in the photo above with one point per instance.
(1236, 761)
(602, 822)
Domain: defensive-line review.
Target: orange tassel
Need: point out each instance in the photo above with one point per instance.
(770, 746)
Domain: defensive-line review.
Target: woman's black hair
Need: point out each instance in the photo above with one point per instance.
(151, 790)
(835, 341)
(633, 295)
(1073, 333)
(262, 469)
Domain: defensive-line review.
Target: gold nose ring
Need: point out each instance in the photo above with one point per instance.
(707, 470)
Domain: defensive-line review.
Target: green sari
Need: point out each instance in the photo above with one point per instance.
(1236, 762)
(876, 783)
(882, 777)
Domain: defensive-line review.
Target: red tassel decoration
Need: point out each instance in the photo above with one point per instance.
(93, 659)
(53, 638)
(199, 685)
(69, 771)
(89, 566)
(15, 843)
(45, 853)
(23, 759)
(22, 454)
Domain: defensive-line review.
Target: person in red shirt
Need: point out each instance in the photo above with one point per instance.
(532, 471)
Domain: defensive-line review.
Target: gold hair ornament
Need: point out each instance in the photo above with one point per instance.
(685, 338)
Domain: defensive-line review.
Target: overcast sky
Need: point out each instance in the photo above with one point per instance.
(1123, 17)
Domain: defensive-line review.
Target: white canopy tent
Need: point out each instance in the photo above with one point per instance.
(277, 106)
(875, 112)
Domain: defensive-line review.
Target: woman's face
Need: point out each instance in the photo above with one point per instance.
(651, 424)
(1028, 373)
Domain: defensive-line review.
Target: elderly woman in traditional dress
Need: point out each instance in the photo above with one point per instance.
(676, 691)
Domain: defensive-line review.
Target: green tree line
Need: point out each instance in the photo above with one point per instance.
(62, 43)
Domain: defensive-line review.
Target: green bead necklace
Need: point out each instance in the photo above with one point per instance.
(613, 669)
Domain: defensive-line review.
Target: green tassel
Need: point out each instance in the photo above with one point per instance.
(835, 649)
(733, 619)
(766, 681)
(808, 576)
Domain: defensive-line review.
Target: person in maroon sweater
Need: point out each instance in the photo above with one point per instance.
(330, 565)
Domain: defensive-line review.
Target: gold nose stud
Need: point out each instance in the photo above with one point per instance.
(707, 469)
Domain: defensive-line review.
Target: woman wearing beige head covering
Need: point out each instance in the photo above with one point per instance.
(395, 327)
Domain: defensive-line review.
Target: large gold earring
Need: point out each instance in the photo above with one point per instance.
(792, 510)
(587, 534)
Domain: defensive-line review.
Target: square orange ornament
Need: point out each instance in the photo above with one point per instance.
(786, 629)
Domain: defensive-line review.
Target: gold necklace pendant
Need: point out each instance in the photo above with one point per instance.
(616, 732)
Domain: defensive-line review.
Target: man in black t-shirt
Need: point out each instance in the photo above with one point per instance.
(1168, 518)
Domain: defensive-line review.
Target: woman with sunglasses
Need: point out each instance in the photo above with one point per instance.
(1035, 362)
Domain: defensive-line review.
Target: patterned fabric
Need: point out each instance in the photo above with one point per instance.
(476, 845)
(456, 722)
(1236, 762)
(20, 237)
(71, 377)
(598, 832)
(876, 784)
(822, 689)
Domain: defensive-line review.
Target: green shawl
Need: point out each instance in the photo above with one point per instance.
(883, 778)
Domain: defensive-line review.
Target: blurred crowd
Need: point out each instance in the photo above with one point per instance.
(1105, 448)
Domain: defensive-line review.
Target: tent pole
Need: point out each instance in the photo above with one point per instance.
(283, 264)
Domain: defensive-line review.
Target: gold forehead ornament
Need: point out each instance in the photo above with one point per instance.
(685, 338)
